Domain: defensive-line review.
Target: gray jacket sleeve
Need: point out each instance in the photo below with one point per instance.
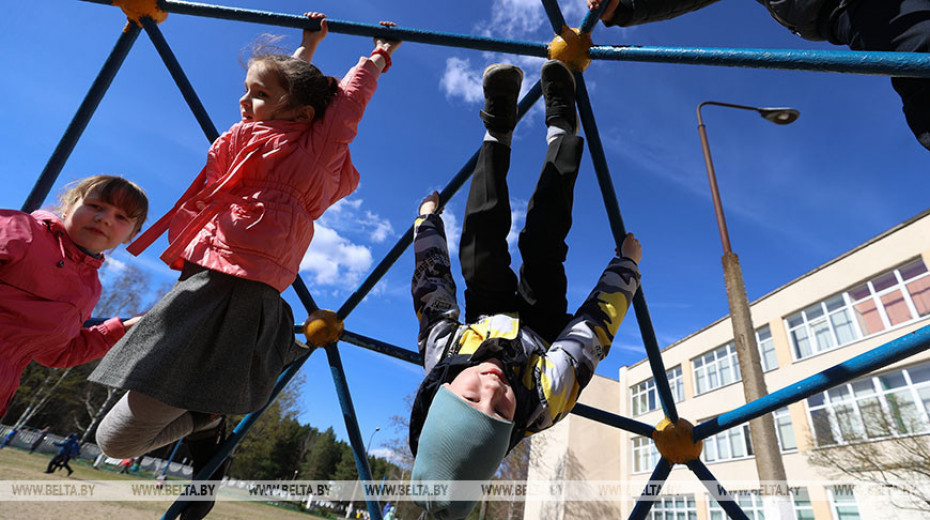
(565, 369)
(635, 12)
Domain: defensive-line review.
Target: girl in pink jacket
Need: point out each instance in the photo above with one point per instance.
(48, 277)
(215, 344)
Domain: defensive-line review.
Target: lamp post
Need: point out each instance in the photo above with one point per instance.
(769, 464)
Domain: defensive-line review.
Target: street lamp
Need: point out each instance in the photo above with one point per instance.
(378, 429)
(769, 464)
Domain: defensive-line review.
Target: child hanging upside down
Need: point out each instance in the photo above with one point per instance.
(519, 364)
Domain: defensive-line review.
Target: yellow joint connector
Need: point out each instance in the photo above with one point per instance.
(322, 328)
(571, 48)
(673, 440)
(135, 10)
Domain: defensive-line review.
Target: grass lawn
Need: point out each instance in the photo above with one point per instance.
(16, 464)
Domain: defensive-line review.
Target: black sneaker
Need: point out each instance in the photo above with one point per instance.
(501, 88)
(558, 88)
(203, 445)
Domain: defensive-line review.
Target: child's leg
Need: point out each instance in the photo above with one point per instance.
(138, 424)
(490, 284)
(542, 242)
(549, 214)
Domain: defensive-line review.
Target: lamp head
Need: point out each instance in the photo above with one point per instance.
(780, 116)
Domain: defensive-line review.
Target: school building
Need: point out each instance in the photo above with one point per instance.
(865, 298)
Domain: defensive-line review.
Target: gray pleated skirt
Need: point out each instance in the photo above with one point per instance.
(215, 343)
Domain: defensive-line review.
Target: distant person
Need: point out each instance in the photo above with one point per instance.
(519, 363)
(38, 440)
(861, 25)
(216, 343)
(48, 277)
(126, 464)
(68, 448)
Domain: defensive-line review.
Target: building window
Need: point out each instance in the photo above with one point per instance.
(645, 455)
(720, 366)
(886, 405)
(677, 507)
(749, 501)
(784, 430)
(766, 349)
(843, 503)
(803, 509)
(732, 444)
(892, 298)
(887, 300)
(645, 396)
(717, 368)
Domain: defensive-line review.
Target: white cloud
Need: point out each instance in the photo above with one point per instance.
(453, 229)
(517, 216)
(114, 265)
(339, 257)
(515, 18)
(460, 80)
(332, 260)
(346, 216)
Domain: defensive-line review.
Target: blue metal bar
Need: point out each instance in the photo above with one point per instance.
(717, 491)
(174, 452)
(84, 112)
(908, 64)
(608, 192)
(348, 414)
(355, 298)
(879, 357)
(617, 421)
(651, 491)
(167, 56)
(236, 437)
(304, 294)
(555, 15)
(358, 29)
(381, 347)
(591, 18)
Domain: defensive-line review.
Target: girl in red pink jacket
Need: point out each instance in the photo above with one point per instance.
(48, 277)
(215, 344)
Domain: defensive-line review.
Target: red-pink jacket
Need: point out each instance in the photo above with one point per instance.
(48, 288)
(250, 212)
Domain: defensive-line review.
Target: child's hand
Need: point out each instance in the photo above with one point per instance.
(430, 204)
(384, 43)
(130, 322)
(608, 11)
(315, 37)
(631, 249)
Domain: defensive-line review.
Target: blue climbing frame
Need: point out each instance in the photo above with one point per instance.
(879, 63)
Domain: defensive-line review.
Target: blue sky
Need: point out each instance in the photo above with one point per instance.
(795, 196)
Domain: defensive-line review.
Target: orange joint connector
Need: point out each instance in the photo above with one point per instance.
(673, 440)
(322, 328)
(135, 10)
(571, 48)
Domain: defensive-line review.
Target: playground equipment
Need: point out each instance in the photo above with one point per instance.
(677, 441)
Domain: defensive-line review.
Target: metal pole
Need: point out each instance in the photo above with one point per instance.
(769, 464)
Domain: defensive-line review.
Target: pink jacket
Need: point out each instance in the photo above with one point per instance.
(48, 288)
(250, 212)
